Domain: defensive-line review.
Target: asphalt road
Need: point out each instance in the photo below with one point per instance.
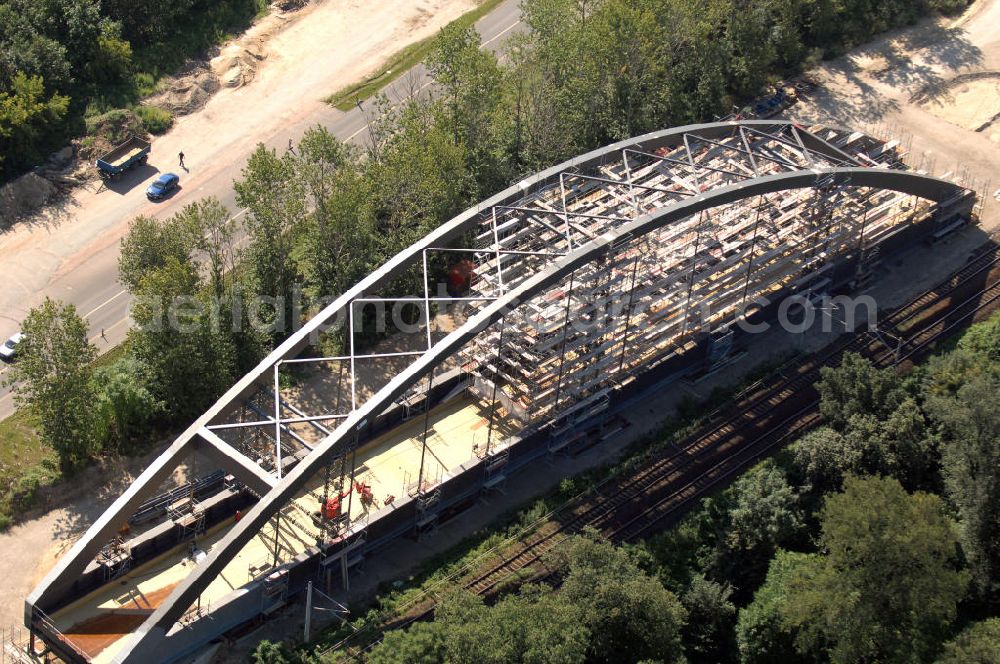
(92, 284)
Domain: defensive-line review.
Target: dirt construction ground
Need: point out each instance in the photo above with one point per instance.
(916, 84)
(936, 87)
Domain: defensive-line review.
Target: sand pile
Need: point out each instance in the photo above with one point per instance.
(62, 169)
(236, 64)
(188, 92)
(290, 5)
(106, 131)
(22, 196)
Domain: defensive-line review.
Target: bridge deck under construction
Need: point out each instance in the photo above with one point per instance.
(99, 622)
(566, 293)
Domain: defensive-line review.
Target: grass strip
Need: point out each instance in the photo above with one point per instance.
(27, 463)
(401, 62)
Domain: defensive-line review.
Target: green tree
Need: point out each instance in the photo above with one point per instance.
(900, 446)
(24, 50)
(269, 652)
(911, 447)
(979, 643)
(320, 159)
(535, 626)
(970, 459)
(143, 21)
(597, 71)
(190, 362)
(762, 513)
(205, 225)
(211, 232)
(698, 60)
(147, 247)
(762, 635)
(79, 26)
(708, 632)
(630, 615)
(766, 512)
(275, 202)
(887, 585)
(752, 53)
(474, 86)
(824, 456)
(29, 118)
(339, 237)
(201, 239)
(421, 643)
(690, 547)
(418, 177)
(52, 377)
(112, 59)
(983, 340)
(125, 407)
(857, 388)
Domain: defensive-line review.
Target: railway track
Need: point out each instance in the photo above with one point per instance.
(766, 415)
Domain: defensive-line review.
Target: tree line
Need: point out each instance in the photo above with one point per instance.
(871, 539)
(590, 71)
(63, 61)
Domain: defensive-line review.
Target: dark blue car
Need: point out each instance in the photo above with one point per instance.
(162, 186)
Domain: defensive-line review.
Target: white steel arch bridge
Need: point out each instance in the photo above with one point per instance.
(559, 292)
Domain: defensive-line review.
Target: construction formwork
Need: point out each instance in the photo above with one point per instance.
(671, 292)
(534, 313)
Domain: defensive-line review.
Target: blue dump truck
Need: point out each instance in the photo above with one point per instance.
(131, 153)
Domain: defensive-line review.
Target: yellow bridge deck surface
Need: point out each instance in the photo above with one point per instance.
(100, 622)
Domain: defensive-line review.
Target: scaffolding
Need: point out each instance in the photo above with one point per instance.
(495, 467)
(557, 357)
(115, 558)
(574, 282)
(189, 517)
(554, 360)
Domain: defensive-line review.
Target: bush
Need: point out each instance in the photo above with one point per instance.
(110, 129)
(144, 82)
(26, 489)
(271, 653)
(154, 119)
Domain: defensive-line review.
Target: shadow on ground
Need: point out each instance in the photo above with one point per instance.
(914, 60)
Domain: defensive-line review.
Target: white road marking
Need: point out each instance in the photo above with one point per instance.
(105, 303)
(239, 214)
(501, 33)
(94, 338)
(351, 137)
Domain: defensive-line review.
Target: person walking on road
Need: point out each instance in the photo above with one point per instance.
(290, 147)
(180, 156)
(103, 336)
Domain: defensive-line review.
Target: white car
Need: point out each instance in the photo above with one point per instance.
(9, 348)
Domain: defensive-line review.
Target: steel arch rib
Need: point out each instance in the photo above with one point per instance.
(160, 622)
(71, 565)
(64, 574)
